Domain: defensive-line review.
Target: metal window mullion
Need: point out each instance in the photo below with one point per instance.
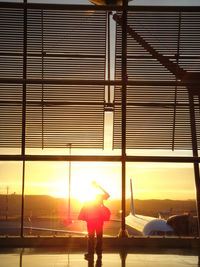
(195, 153)
(175, 96)
(42, 48)
(24, 113)
(114, 94)
(105, 66)
(124, 87)
(108, 36)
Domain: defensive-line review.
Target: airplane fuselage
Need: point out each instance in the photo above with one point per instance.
(149, 225)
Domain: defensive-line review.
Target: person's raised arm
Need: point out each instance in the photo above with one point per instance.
(101, 188)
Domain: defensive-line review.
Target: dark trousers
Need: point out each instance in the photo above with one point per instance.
(95, 227)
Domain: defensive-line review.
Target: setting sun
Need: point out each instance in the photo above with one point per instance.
(86, 191)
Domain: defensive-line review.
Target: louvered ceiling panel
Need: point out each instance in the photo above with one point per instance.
(190, 42)
(183, 139)
(61, 45)
(11, 43)
(68, 114)
(79, 125)
(158, 116)
(11, 65)
(63, 125)
(11, 30)
(66, 45)
(10, 115)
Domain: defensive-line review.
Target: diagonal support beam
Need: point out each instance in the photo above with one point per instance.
(171, 66)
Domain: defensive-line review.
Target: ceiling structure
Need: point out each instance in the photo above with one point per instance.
(66, 76)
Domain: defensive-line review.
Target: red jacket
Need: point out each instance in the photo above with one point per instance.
(92, 211)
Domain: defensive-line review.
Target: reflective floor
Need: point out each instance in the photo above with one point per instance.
(61, 257)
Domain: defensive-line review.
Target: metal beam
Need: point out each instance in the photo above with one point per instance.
(22, 201)
(59, 158)
(92, 103)
(100, 82)
(175, 95)
(24, 113)
(123, 110)
(171, 66)
(57, 55)
(108, 54)
(65, 55)
(158, 159)
(162, 159)
(101, 8)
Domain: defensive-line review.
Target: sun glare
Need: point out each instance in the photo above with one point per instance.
(83, 191)
(86, 192)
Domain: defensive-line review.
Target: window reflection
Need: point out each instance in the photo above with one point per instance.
(122, 259)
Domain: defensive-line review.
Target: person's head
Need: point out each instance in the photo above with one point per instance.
(99, 199)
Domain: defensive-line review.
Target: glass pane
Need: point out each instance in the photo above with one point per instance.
(10, 198)
(162, 191)
(47, 207)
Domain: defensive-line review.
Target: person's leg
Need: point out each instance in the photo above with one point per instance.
(98, 262)
(99, 244)
(99, 233)
(91, 233)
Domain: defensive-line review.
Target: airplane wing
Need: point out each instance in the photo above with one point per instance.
(59, 231)
(56, 230)
(115, 220)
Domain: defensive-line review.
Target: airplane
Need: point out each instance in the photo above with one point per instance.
(147, 226)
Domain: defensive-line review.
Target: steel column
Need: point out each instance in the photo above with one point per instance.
(24, 112)
(22, 203)
(108, 53)
(123, 110)
(69, 220)
(195, 153)
(175, 95)
(123, 256)
(42, 52)
(21, 258)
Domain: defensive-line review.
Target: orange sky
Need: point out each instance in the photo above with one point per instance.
(173, 181)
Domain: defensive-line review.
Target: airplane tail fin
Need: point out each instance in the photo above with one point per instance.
(132, 202)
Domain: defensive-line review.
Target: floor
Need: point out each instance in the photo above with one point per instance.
(62, 258)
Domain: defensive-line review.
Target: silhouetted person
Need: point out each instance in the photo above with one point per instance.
(95, 213)
(91, 262)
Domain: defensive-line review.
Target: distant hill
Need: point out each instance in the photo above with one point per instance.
(36, 206)
(47, 206)
(152, 207)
